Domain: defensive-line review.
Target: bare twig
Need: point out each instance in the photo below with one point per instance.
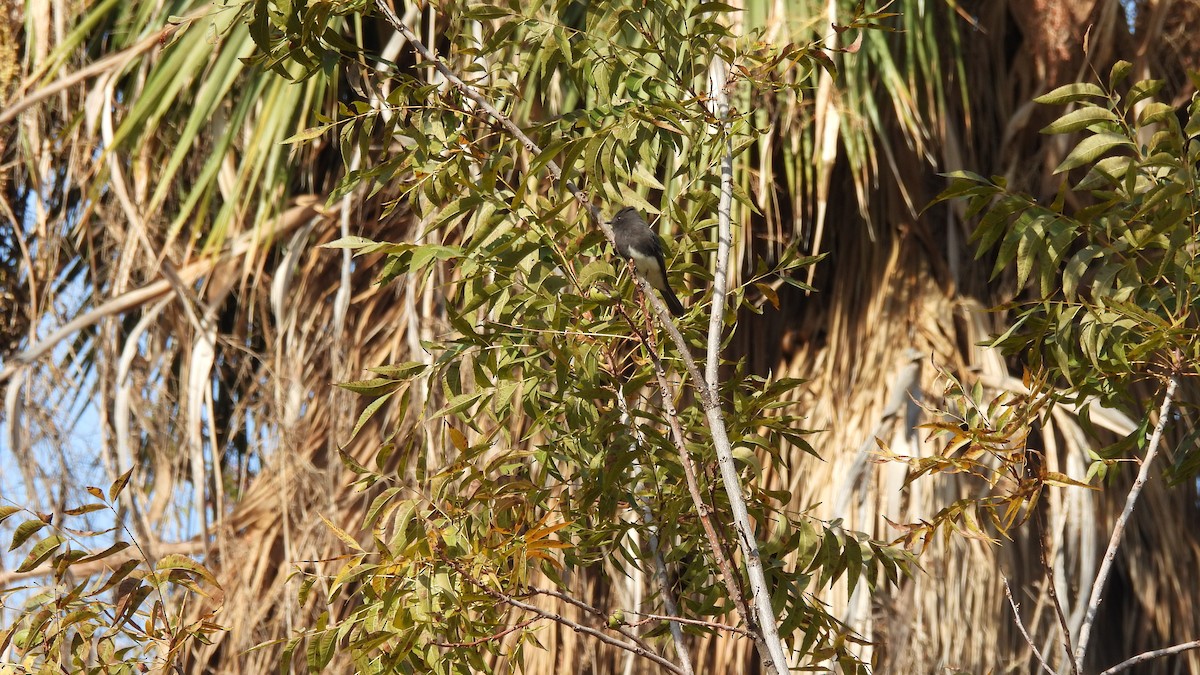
(728, 578)
(695, 622)
(1052, 590)
(490, 638)
(660, 567)
(1146, 656)
(1021, 626)
(590, 610)
(1164, 412)
(573, 625)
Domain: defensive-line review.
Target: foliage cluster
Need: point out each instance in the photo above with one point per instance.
(130, 620)
(541, 447)
(1112, 262)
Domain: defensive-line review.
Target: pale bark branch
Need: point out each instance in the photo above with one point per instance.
(660, 567)
(1164, 412)
(767, 624)
(1146, 656)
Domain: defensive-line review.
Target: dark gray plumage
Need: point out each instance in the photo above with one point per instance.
(637, 242)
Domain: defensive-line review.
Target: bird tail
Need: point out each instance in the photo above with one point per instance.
(672, 301)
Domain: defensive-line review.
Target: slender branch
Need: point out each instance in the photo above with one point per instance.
(590, 610)
(695, 622)
(575, 626)
(660, 567)
(702, 511)
(489, 638)
(769, 627)
(1052, 590)
(1146, 656)
(668, 599)
(773, 653)
(1110, 554)
(728, 577)
(719, 107)
(1021, 626)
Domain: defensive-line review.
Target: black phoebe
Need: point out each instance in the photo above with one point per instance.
(637, 242)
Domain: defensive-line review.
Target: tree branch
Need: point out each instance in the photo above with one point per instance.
(1114, 542)
(694, 622)
(1063, 626)
(660, 567)
(1146, 656)
(1021, 626)
(717, 85)
(577, 627)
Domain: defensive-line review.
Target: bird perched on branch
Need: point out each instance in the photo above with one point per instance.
(637, 242)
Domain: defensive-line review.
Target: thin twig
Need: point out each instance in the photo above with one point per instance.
(1114, 542)
(590, 610)
(1021, 626)
(702, 511)
(1063, 625)
(695, 622)
(668, 599)
(575, 626)
(1146, 656)
(660, 567)
(489, 638)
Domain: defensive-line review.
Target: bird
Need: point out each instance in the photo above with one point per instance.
(637, 242)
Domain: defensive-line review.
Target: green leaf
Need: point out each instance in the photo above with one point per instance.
(1079, 119)
(308, 134)
(176, 561)
(402, 371)
(86, 508)
(24, 531)
(352, 242)
(111, 550)
(1091, 149)
(376, 386)
(1070, 93)
(1118, 72)
(1141, 90)
(1076, 267)
(117, 576)
(369, 412)
(42, 550)
(7, 511)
